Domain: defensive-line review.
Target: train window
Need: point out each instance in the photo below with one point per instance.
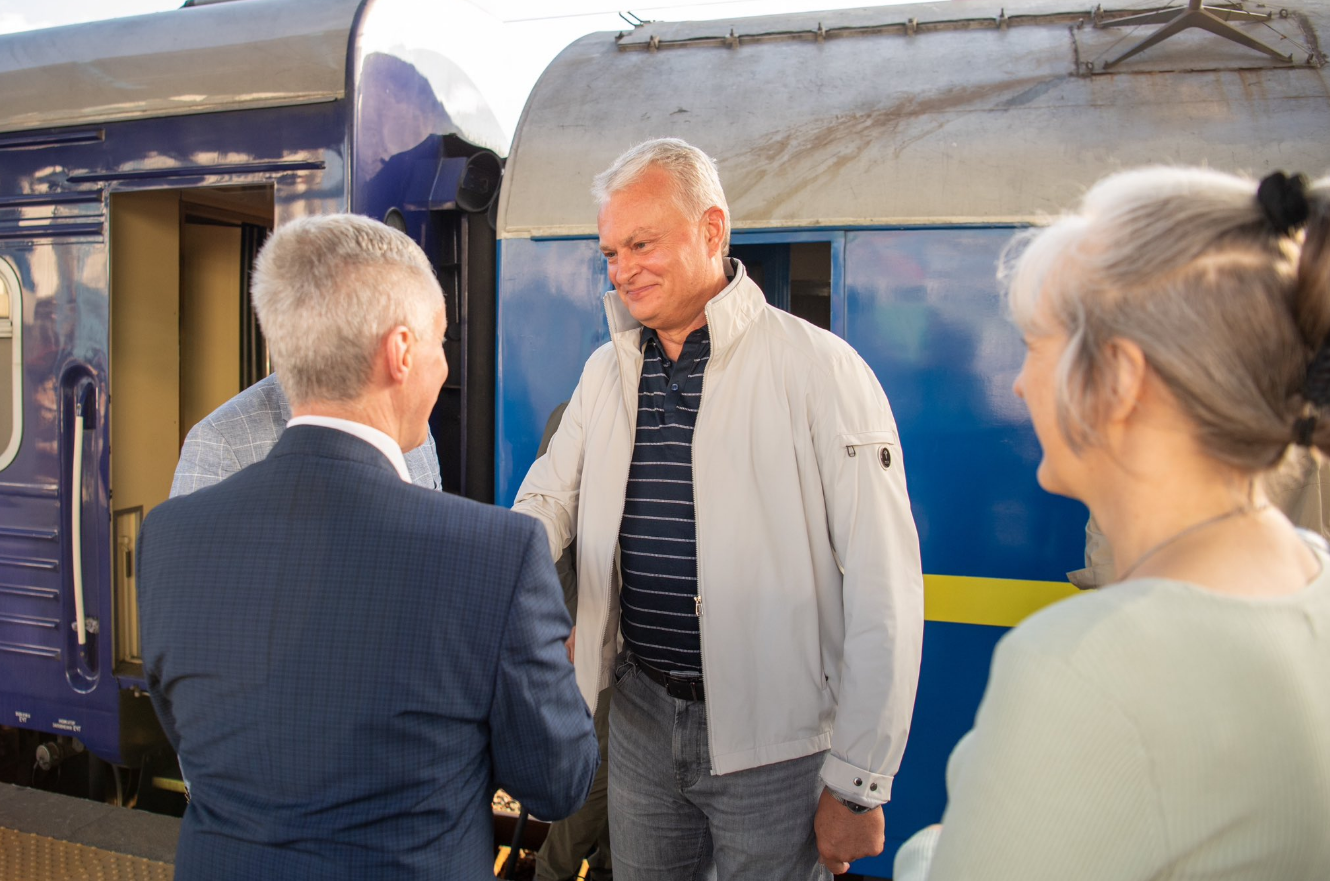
(11, 365)
(794, 276)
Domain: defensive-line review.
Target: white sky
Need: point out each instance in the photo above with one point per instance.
(534, 31)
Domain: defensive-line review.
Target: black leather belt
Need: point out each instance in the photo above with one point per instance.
(682, 687)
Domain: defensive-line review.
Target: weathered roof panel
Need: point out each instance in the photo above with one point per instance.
(985, 112)
(223, 56)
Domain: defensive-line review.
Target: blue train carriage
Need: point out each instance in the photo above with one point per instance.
(876, 162)
(142, 163)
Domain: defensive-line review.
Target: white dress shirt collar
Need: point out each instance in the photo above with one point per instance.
(381, 441)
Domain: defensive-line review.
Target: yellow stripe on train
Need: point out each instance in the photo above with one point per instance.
(998, 602)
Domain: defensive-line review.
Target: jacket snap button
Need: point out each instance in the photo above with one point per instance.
(872, 787)
(858, 782)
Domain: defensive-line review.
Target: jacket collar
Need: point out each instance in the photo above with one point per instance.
(729, 313)
(330, 443)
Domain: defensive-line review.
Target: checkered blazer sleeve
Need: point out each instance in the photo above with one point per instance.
(422, 464)
(206, 458)
(544, 750)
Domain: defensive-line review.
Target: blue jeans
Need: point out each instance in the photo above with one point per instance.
(671, 820)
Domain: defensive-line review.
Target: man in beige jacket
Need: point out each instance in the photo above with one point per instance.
(747, 562)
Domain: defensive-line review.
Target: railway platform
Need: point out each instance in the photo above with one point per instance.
(50, 837)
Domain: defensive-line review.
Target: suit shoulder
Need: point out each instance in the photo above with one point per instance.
(480, 517)
(188, 512)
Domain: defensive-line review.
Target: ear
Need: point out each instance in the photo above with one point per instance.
(713, 228)
(1128, 372)
(397, 353)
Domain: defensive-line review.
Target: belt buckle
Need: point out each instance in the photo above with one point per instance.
(685, 689)
(679, 687)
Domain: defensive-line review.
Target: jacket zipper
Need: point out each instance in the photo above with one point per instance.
(623, 504)
(697, 552)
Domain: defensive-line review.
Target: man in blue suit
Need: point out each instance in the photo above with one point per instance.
(348, 665)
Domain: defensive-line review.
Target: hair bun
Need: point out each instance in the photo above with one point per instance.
(1283, 198)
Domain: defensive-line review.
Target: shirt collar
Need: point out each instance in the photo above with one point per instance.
(649, 334)
(368, 434)
(728, 313)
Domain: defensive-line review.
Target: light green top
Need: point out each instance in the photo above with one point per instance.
(1148, 730)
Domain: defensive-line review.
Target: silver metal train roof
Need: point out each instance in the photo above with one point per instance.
(220, 56)
(224, 56)
(934, 113)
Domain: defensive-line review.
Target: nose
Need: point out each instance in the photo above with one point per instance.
(622, 269)
(1018, 386)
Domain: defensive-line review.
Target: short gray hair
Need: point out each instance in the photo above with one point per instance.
(696, 180)
(327, 289)
(1184, 263)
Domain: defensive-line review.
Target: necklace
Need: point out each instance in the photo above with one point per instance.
(1244, 508)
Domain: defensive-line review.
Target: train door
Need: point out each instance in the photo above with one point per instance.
(461, 248)
(796, 271)
(183, 341)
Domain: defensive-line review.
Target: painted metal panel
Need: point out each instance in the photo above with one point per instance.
(924, 312)
(227, 56)
(952, 678)
(55, 238)
(550, 320)
(416, 74)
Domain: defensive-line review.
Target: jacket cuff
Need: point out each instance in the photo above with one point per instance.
(856, 784)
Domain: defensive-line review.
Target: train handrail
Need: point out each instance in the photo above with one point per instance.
(76, 520)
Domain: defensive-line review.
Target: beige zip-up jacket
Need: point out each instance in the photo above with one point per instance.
(808, 572)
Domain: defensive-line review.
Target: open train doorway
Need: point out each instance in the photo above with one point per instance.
(794, 275)
(184, 340)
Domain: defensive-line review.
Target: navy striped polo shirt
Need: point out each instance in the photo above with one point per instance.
(658, 533)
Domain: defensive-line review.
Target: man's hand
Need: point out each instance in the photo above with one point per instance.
(844, 836)
(572, 641)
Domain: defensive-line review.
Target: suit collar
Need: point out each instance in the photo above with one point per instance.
(330, 443)
(368, 433)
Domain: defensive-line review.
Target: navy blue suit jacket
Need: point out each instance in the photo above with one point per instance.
(348, 665)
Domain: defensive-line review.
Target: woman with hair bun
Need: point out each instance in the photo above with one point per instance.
(1175, 724)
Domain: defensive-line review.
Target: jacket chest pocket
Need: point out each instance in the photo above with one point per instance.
(880, 446)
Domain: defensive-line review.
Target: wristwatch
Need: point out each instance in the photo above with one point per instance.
(852, 805)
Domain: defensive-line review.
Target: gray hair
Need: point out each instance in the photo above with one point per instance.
(327, 289)
(697, 182)
(1184, 263)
